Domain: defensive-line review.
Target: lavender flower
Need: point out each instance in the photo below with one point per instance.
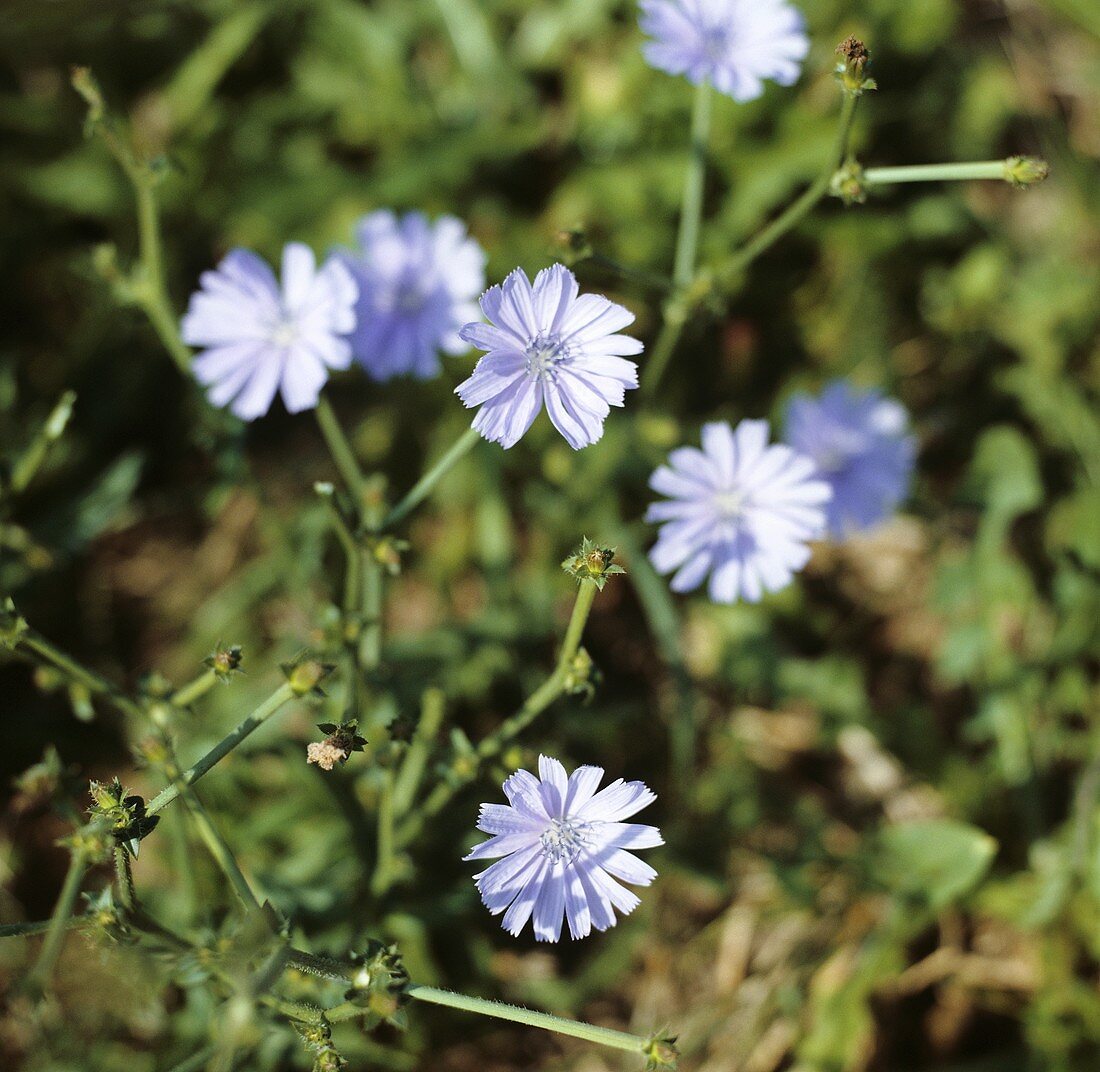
(548, 346)
(733, 44)
(418, 284)
(261, 338)
(739, 509)
(563, 847)
(858, 440)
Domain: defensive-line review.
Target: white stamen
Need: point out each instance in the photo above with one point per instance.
(564, 838)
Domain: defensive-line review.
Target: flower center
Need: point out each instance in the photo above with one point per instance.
(564, 838)
(730, 504)
(717, 41)
(410, 299)
(544, 353)
(285, 333)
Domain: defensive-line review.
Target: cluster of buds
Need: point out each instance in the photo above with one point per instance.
(387, 552)
(225, 661)
(122, 813)
(591, 562)
(338, 746)
(105, 916)
(854, 58)
(848, 183)
(582, 675)
(379, 984)
(317, 1037)
(12, 625)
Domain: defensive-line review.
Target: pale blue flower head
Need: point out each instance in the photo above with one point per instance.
(560, 848)
(418, 284)
(740, 510)
(548, 346)
(733, 44)
(259, 337)
(860, 444)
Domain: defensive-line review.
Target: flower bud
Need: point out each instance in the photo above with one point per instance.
(12, 626)
(306, 676)
(660, 1052)
(1025, 171)
(591, 562)
(847, 183)
(225, 661)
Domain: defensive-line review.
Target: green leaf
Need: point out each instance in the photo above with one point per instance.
(938, 859)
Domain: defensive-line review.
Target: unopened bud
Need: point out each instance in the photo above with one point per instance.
(1025, 171)
(591, 562)
(848, 184)
(661, 1052)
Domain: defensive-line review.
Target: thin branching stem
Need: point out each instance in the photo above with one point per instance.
(426, 484)
(42, 971)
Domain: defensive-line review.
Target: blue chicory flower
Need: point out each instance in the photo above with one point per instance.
(418, 284)
(563, 846)
(740, 510)
(733, 44)
(859, 441)
(547, 346)
(259, 338)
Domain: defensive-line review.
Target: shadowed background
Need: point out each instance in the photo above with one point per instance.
(942, 668)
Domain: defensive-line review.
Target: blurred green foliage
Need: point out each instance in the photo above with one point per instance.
(890, 855)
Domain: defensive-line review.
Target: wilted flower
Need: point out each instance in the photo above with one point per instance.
(418, 284)
(548, 346)
(733, 44)
(860, 444)
(740, 510)
(260, 338)
(563, 847)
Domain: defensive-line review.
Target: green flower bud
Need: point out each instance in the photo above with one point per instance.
(591, 562)
(661, 1052)
(1025, 171)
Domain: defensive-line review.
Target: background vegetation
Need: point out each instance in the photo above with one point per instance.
(888, 855)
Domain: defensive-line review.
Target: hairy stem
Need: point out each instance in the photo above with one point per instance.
(883, 176)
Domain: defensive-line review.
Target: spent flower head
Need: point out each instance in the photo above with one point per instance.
(548, 345)
(854, 58)
(563, 846)
(860, 443)
(225, 660)
(733, 44)
(418, 284)
(741, 510)
(260, 337)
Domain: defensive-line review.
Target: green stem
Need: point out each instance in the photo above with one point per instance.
(416, 759)
(604, 1036)
(882, 176)
(217, 846)
(30, 929)
(60, 922)
(44, 651)
(124, 874)
(796, 212)
(188, 694)
(552, 688)
(340, 449)
(426, 484)
(691, 210)
(25, 467)
(664, 623)
(197, 1061)
(226, 745)
(383, 868)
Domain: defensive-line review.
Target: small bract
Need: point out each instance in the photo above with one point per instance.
(564, 846)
